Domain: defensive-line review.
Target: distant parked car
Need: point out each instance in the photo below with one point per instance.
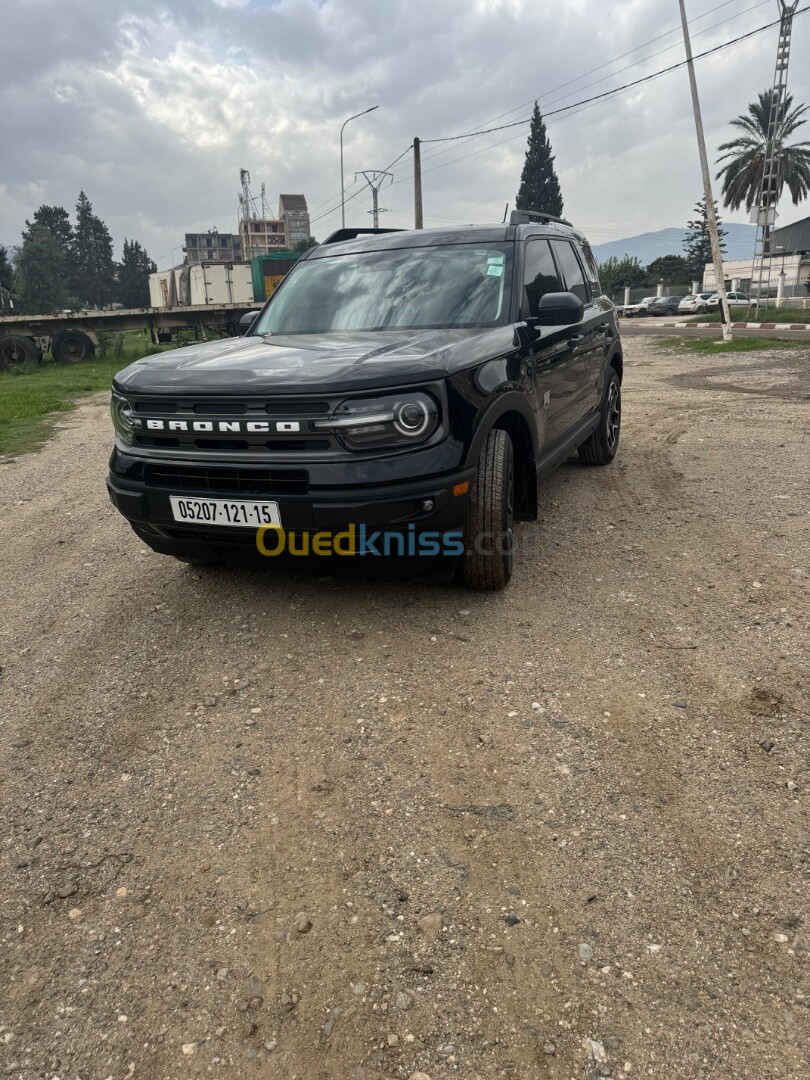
(664, 305)
(735, 300)
(695, 305)
(631, 311)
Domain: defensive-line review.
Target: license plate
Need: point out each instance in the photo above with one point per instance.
(244, 515)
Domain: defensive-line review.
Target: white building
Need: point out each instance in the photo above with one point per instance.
(785, 275)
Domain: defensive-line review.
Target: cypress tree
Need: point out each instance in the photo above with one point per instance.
(539, 186)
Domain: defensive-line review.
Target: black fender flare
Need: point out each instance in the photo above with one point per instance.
(510, 401)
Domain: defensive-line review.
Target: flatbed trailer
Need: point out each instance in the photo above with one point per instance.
(72, 336)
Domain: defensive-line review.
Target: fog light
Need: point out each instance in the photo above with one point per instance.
(427, 505)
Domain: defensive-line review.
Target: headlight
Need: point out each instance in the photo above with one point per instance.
(395, 420)
(123, 420)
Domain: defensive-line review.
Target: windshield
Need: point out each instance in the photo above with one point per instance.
(462, 285)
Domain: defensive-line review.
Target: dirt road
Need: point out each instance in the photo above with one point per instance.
(296, 825)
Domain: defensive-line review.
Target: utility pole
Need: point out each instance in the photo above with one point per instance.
(711, 216)
(375, 179)
(417, 184)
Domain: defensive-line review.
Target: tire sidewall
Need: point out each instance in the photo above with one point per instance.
(488, 559)
(609, 452)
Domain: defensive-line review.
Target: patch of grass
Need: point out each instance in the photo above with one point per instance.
(33, 396)
(715, 346)
(771, 314)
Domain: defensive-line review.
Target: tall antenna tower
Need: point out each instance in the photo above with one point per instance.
(264, 205)
(764, 214)
(246, 211)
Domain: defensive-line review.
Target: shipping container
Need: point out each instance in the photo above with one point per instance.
(269, 271)
(201, 284)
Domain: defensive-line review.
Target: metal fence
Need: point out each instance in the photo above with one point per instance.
(795, 292)
(637, 295)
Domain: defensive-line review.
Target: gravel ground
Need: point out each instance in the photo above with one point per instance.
(282, 824)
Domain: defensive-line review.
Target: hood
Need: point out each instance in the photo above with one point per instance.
(314, 362)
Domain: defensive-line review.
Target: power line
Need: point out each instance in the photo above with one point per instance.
(578, 105)
(328, 213)
(617, 89)
(438, 153)
(627, 67)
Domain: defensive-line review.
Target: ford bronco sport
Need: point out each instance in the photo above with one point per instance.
(395, 380)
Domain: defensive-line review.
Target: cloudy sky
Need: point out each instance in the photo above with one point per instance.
(153, 106)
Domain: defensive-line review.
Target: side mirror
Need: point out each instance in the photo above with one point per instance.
(558, 309)
(247, 321)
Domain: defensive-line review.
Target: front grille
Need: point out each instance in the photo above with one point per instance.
(229, 480)
(222, 424)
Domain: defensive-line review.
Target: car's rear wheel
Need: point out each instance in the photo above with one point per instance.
(670, 311)
(701, 310)
(488, 548)
(601, 447)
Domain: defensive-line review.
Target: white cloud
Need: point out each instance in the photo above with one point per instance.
(153, 111)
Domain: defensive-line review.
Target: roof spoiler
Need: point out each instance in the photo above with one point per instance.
(352, 234)
(529, 217)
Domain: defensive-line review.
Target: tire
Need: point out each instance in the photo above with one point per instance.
(701, 310)
(16, 350)
(670, 311)
(71, 346)
(601, 447)
(486, 564)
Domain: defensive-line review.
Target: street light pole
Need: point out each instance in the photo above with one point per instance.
(342, 192)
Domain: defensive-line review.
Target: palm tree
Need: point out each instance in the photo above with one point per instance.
(745, 156)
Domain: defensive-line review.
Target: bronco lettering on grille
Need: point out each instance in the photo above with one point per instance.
(222, 427)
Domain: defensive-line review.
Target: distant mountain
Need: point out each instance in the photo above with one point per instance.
(651, 245)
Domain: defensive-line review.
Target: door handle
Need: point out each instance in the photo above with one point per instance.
(603, 328)
(575, 340)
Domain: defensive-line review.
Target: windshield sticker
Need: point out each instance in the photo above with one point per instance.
(494, 270)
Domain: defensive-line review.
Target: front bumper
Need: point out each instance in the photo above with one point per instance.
(429, 503)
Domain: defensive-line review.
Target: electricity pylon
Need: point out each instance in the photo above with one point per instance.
(375, 179)
(764, 214)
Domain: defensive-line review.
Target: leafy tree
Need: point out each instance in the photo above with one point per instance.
(305, 245)
(616, 274)
(671, 269)
(539, 186)
(745, 156)
(133, 275)
(42, 286)
(6, 272)
(57, 220)
(92, 255)
(697, 243)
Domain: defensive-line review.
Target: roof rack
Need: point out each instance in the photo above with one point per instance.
(351, 234)
(528, 217)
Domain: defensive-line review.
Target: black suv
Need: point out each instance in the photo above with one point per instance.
(416, 384)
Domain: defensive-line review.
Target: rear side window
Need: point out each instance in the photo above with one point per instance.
(540, 274)
(591, 271)
(571, 270)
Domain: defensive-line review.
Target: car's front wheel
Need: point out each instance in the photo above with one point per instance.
(488, 551)
(601, 447)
